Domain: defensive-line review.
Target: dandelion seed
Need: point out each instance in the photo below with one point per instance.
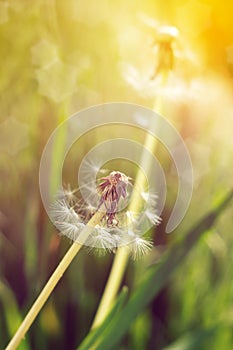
(101, 239)
(149, 197)
(60, 211)
(91, 166)
(151, 214)
(140, 247)
(68, 194)
(70, 230)
(89, 192)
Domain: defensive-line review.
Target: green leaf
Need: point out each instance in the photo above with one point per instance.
(154, 280)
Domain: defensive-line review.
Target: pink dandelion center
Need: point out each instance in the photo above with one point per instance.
(112, 189)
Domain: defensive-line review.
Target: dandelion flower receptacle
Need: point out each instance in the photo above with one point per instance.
(117, 226)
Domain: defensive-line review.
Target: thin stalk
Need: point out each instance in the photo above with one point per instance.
(52, 282)
(122, 255)
(112, 286)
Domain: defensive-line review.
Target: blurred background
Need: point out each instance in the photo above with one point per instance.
(58, 57)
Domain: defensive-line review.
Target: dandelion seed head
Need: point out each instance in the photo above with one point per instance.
(167, 33)
(118, 226)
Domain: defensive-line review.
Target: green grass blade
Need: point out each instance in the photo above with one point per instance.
(193, 340)
(155, 279)
(97, 333)
(12, 315)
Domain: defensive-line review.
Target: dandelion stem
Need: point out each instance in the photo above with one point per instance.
(112, 286)
(52, 282)
(122, 255)
(42, 298)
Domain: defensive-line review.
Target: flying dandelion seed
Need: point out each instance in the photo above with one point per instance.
(118, 227)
